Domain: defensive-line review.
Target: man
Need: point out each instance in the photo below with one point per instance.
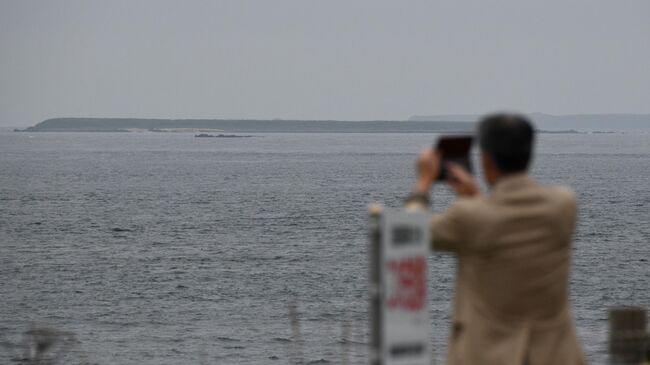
(513, 248)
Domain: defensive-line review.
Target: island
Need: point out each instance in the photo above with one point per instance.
(246, 126)
(452, 123)
(205, 135)
(570, 123)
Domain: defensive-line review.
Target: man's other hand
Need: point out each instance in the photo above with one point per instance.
(463, 183)
(428, 169)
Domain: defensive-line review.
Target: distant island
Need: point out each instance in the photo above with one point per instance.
(549, 122)
(545, 123)
(245, 126)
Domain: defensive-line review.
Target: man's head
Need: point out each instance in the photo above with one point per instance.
(506, 142)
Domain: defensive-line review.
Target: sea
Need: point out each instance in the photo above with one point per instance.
(163, 248)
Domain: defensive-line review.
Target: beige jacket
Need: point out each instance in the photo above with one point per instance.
(514, 254)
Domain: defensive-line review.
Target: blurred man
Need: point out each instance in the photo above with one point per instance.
(513, 246)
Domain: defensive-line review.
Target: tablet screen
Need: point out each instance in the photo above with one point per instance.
(454, 149)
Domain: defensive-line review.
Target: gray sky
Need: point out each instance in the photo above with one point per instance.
(330, 59)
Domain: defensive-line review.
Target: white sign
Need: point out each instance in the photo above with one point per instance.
(405, 248)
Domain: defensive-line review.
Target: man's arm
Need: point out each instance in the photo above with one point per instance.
(448, 231)
(427, 169)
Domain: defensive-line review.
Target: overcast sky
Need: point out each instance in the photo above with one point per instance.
(330, 59)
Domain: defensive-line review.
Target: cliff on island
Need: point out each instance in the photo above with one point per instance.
(244, 125)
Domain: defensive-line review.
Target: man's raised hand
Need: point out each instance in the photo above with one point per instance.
(463, 183)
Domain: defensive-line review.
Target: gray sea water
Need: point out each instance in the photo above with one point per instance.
(162, 248)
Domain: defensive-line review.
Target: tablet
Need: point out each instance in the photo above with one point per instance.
(454, 149)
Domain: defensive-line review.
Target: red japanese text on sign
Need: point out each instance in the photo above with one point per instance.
(409, 290)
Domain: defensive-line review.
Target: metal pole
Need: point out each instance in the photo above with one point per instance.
(375, 212)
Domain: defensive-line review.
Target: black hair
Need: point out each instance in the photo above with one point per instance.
(508, 139)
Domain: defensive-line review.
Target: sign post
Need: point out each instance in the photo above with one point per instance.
(399, 250)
